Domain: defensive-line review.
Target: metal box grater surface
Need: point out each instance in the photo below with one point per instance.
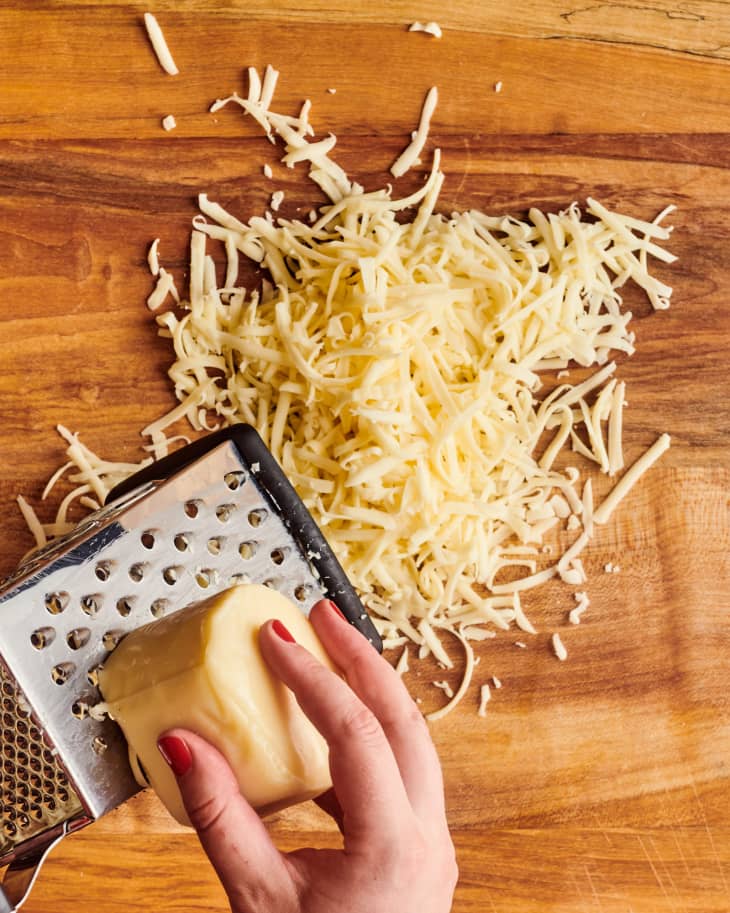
(216, 513)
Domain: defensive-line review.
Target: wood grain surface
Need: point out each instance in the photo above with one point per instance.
(599, 784)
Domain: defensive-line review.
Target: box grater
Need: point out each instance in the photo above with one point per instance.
(215, 513)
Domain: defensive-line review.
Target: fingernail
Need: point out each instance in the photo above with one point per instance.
(177, 754)
(335, 608)
(282, 631)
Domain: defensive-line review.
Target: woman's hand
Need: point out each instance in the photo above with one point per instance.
(387, 796)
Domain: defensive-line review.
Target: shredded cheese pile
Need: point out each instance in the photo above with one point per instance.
(394, 366)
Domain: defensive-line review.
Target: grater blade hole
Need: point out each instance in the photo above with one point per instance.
(273, 583)
(80, 709)
(99, 745)
(42, 637)
(192, 508)
(215, 545)
(57, 602)
(62, 673)
(278, 555)
(257, 517)
(172, 574)
(91, 605)
(238, 579)
(182, 542)
(301, 592)
(36, 812)
(103, 570)
(147, 539)
(247, 550)
(125, 605)
(92, 676)
(78, 638)
(205, 576)
(234, 480)
(111, 639)
(224, 512)
(159, 607)
(137, 571)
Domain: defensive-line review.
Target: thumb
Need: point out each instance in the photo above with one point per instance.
(232, 834)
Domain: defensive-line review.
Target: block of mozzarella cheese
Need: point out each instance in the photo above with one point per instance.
(201, 668)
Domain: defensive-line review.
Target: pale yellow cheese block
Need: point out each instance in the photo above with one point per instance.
(201, 669)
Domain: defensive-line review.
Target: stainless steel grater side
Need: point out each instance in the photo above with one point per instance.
(214, 514)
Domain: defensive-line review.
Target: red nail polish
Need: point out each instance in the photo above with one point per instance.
(177, 754)
(335, 608)
(282, 631)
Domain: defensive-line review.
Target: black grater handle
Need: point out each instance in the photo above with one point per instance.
(270, 477)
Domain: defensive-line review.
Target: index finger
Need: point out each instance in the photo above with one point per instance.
(365, 775)
(380, 687)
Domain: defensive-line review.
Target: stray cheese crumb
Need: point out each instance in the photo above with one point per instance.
(268, 173)
(276, 199)
(559, 648)
(332, 91)
(485, 696)
(153, 257)
(521, 644)
(410, 154)
(169, 122)
(583, 602)
(159, 45)
(498, 88)
(496, 682)
(430, 28)
(445, 687)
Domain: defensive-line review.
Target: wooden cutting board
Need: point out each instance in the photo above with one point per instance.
(600, 783)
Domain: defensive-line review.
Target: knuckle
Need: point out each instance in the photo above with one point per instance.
(205, 813)
(359, 724)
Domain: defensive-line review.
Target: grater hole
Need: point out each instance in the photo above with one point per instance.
(9, 829)
(92, 676)
(215, 545)
(224, 512)
(247, 550)
(111, 639)
(257, 517)
(172, 574)
(99, 745)
(41, 638)
(237, 579)
(205, 577)
(192, 508)
(278, 555)
(301, 592)
(125, 605)
(62, 673)
(78, 638)
(273, 583)
(56, 602)
(137, 571)
(103, 570)
(36, 812)
(91, 604)
(147, 539)
(159, 607)
(80, 709)
(234, 480)
(182, 542)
